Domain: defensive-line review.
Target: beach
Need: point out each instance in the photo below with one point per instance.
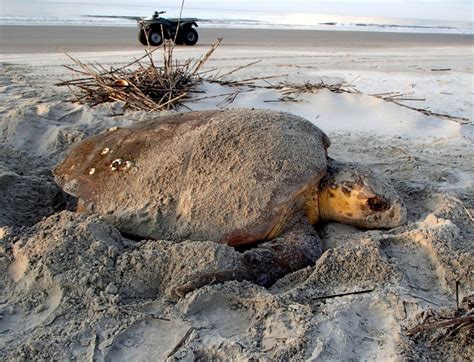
(31, 39)
(73, 287)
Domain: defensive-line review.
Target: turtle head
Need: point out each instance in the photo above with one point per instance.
(355, 195)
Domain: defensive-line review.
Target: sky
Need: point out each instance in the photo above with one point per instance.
(460, 10)
(453, 10)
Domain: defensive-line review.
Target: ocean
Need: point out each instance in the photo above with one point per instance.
(94, 14)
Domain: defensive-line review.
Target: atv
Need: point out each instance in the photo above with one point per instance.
(153, 30)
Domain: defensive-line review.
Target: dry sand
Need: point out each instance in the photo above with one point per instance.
(33, 39)
(73, 287)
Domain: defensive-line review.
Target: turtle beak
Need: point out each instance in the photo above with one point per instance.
(397, 215)
(385, 213)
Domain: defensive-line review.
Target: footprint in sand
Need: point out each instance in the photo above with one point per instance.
(220, 315)
(148, 340)
(17, 323)
(64, 112)
(363, 331)
(419, 269)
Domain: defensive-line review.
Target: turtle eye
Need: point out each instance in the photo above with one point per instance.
(378, 204)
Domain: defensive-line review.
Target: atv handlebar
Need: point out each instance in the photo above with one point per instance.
(157, 14)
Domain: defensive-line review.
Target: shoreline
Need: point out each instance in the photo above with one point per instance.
(48, 39)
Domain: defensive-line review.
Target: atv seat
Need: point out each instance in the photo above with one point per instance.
(174, 21)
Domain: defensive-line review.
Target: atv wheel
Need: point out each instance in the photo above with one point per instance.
(154, 37)
(189, 36)
(142, 37)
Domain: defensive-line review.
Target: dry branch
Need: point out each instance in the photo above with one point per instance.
(292, 90)
(140, 85)
(344, 294)
(181, 342)
(469, 319)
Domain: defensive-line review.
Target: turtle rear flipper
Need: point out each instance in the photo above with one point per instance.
(266, 263)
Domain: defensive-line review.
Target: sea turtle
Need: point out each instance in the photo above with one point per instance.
(240, 177)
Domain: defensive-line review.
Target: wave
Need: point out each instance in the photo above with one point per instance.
(406, 26)
(128, 21)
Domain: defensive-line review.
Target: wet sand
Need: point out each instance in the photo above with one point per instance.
(34, 39)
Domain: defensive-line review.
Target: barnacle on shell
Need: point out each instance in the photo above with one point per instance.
(116, 164)
(121, 165)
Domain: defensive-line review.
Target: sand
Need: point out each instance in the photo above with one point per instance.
(73, 287)
(32, 39)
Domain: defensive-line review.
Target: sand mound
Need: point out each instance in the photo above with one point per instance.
(27, 195)
(72, 276)
(80, 288)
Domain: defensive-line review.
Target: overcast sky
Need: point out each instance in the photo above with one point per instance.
(461, 10)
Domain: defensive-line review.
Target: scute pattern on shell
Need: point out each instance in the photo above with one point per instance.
(231, 176)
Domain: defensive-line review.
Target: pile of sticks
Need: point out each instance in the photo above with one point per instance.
(141, 84)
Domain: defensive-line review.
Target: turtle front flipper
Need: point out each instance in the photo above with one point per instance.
(267, 262)
(295, 249)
